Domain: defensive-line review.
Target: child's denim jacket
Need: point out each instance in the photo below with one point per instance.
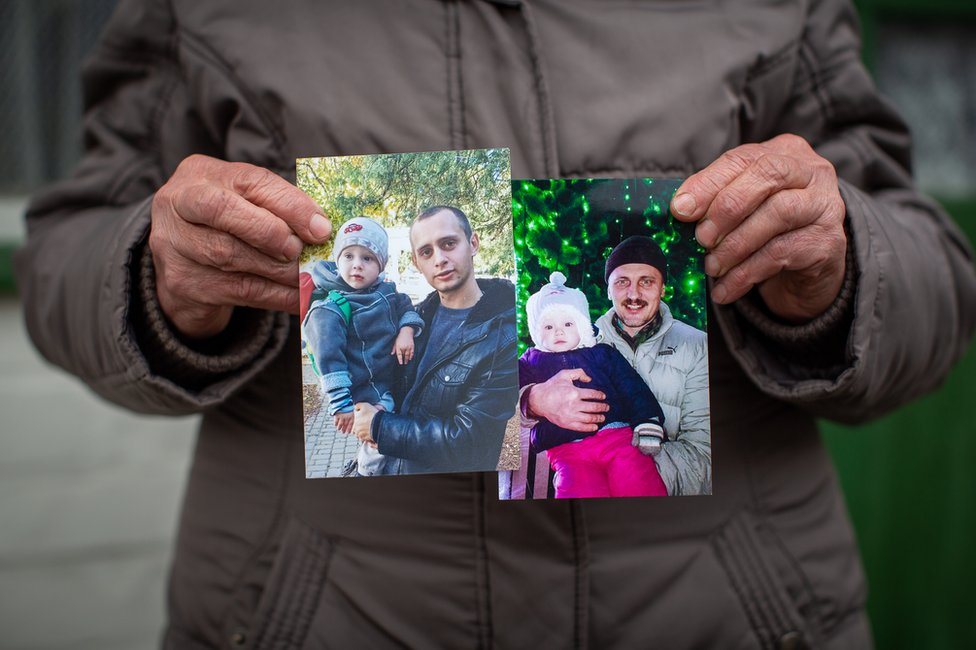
(353, 358)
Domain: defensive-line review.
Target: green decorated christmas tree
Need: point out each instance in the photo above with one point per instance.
(572, 225)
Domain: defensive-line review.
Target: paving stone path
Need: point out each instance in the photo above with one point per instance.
(326, 450)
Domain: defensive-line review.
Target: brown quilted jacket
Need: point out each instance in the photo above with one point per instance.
(265, 558)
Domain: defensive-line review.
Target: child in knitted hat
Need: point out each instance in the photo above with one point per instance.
(361, 330)
(605, 463)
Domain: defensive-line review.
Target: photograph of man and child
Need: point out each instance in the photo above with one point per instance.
(614, 356)
(424, 378)
(427, 380)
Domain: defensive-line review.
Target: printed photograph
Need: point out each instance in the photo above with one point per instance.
(613, 351)
(409, 343)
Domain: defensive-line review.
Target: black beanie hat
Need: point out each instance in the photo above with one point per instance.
(637, 249)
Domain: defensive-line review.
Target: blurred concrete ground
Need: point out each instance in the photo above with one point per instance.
(89, 496)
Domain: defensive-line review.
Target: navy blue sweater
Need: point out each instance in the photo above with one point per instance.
(631, 401)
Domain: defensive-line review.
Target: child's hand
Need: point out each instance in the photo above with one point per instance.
(343, 422)
(648, 439)
(403, 346)
(649, 445)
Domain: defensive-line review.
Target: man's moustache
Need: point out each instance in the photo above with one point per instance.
(635, 303)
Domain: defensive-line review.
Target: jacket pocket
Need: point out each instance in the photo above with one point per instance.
(767, 581)
(291, 595)
(453, 374)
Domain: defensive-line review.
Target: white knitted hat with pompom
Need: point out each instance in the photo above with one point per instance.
(557, 296)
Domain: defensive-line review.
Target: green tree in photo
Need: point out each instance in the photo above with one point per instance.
(572, 225)
(394, 188)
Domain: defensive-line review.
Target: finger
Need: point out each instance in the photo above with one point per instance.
(590, 418)
(782, 212)
(573, 374)
(225, 252)
(693, 197)
(587, 421)
(198, 299)
(268, 190)
(790, 251)
(204, 285)
(206, 204)
(594, 399)
(582, 427)
(769, 174)
(582, 376)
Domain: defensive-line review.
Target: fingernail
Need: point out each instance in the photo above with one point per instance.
(319, 226)
(684, 204)
(719, 294)
(293, 248)
(712, 267)
(706, 233)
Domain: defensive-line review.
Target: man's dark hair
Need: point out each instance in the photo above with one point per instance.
(461, 217)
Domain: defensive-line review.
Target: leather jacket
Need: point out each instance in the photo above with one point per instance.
(453, 417)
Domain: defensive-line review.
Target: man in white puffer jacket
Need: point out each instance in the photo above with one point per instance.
(671, 356)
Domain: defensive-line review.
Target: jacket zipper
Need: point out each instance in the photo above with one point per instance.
(437, 364)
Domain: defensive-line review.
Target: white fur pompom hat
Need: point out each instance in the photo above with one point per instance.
(556, 295)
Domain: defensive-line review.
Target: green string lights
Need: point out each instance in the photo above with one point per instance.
(572, 225)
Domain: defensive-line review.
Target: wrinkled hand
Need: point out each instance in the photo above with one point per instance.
(343, 421)
(403, 345)
(566, 405)
(364, 412)
(227, 234)
(770, 214)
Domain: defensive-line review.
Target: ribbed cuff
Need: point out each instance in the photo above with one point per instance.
(194, 364)
(820, 343)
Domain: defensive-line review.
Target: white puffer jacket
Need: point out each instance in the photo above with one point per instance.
(674, 363)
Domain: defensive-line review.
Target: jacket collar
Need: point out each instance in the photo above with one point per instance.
(609, 332)
(498, 295)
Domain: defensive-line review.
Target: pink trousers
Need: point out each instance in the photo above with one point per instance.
(605, 464)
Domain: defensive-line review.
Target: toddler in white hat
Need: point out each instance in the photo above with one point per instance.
(351, 330)
(604, 463)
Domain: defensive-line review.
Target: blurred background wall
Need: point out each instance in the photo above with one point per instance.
(89, 493)
(909, 478)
